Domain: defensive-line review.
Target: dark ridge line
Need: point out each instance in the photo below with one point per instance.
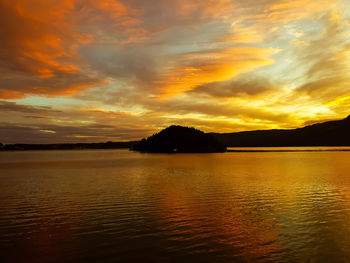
(320, 150)
(331, 133)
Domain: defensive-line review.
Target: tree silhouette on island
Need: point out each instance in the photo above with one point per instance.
(179, 139)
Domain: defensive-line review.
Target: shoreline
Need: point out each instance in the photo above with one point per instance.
(241, 149)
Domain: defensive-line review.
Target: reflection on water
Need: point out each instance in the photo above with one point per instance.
(121, 206)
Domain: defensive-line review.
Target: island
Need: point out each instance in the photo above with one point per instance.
(179, 139)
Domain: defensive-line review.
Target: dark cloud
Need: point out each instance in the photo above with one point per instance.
(248, 85)
(15, 107)
(62, 84)
(128, 64)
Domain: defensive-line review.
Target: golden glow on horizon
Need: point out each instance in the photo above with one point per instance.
(47, 131)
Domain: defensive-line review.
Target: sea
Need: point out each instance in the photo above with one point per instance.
(248, 205)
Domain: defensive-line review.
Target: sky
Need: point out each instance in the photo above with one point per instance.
(113, 70)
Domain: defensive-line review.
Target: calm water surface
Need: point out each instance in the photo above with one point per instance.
(121, 206)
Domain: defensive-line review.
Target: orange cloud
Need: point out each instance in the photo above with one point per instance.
(37, 43)
(39, 51)
(209, 8)
(205, 67)
(300, 9)
(8, 94)
(242, 35)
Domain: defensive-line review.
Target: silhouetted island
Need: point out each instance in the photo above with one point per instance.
(178, 139)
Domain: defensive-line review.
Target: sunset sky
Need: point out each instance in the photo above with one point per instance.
(99, 70)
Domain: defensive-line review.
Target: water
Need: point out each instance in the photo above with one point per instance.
(121, 206)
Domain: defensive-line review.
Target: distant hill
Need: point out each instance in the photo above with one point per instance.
(178, 139)
(331, 133)
(67, 146)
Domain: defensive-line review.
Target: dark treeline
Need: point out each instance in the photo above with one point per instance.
(67, 146)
